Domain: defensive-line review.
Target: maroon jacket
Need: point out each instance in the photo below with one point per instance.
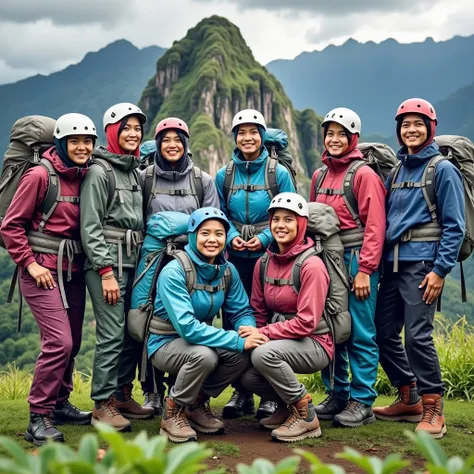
(24, 213)
(308, 304)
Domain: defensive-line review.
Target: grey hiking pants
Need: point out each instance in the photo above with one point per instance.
(198, 368)
(275, 365)
(400, 305)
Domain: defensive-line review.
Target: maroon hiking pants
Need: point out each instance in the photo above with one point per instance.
(61, 333)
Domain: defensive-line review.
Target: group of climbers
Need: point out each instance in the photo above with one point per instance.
(244, 242)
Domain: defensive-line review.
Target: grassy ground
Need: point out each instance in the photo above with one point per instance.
(378, 438)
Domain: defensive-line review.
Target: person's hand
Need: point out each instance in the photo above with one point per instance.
(434, 285)
(361, 286)
(42, 276)
(254, 245)
(254, 340)
(110, 288)
(238, 244)
(245, 331)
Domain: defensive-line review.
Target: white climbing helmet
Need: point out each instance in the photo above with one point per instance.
(248, 116)
(74, 124)
(291, 201)
(345, 117)
(119, 111)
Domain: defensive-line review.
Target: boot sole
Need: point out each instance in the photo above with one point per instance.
(345, 424)
(123, 429)
(175, 439)
(30, 438)
(408, 418)
(292, 439)
(231, 413)
(203, 430)
(440, 434)
(77, 423)
(270, 427)
(137, 417)
(263, 414)
(326, 417)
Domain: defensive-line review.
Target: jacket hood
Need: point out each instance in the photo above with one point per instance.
(71, 174)
(124, 162)
(288, 257)
(173, 175)
(208, 272)
(338, 164)
(252, 166)
(413, 161)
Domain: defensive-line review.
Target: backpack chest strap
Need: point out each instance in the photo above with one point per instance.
(278, 281)
(173, 192)
(70, 199)
(330, 191)
(250, 188)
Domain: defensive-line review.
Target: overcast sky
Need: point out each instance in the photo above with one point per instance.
(43, 36)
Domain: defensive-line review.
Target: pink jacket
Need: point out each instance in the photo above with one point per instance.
(24, 213)
(308, 304)
(369, 190)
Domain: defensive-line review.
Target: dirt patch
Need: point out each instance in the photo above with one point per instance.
(255, 442)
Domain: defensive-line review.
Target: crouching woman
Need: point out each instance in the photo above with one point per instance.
(290, 321)
(190, 292)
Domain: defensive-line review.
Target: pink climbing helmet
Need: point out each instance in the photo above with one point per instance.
(170, 123)
(417, 106)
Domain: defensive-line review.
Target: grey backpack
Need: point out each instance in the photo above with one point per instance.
(30, 137)
(323, 228)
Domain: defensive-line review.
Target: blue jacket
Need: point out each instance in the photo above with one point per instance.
(250, 207)
(407, 208)
(189, 314)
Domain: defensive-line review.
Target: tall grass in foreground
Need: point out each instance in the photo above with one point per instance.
(455, 345)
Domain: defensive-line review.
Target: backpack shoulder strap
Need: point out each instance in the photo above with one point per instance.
(320, 178)
(148, 187)
(392, 177)
(263, 268)
(296, 270)
(229, 181)
(271, 177)
(197, 187)
(428, 185)
(227, 280)
(52, 194)
(189, 269)
(348, 190)
(111, 184)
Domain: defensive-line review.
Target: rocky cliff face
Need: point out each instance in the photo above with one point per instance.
(206, 78)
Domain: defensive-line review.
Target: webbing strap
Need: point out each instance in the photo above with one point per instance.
(249, 231)
(352, 237)
(173, 192)
(330, 191)
(71, 199)
(249, 187)
(278, 281)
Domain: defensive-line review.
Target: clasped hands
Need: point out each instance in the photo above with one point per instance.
(253, 337)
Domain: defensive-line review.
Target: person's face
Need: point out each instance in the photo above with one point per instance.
(79, 148)
(172, 148)
(249, 141)
(336, 140)
(210, 239)
(284, 227)
(131, 136)
(413, 131)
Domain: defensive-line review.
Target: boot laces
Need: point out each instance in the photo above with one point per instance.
(111, 409)
(353, 406)
(180, 418)
(328, 400)
(430, 412)
(46, 422)
(205, 409)
(70, 406)
(151, 397)
(293, 418)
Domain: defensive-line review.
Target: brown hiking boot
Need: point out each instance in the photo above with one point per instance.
(277, 418)
(129, 408)
(301, 424)
(433, 421)
(174, 423)
(407, 407)
(108, 413)
(201, 418)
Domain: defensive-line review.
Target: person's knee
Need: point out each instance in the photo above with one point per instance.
(262, 358)
(205, 358)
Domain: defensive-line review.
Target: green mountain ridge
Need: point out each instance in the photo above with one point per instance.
(90, 86)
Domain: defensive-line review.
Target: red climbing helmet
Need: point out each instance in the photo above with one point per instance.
(417, 106)
(172, 122)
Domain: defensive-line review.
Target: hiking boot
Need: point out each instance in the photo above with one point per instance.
(276, 419)
(108, 413)
(174, 423)
(129, 408)
(68, 414)
(432, 421)
(302, 423)
(200, 417)
(354, 415)
(155, 401)
(240, 404)
(330, 407)
(265, 409)
(41, 429)
(407, 407)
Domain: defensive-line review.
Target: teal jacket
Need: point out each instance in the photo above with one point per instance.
(250, 207)
(190, 314)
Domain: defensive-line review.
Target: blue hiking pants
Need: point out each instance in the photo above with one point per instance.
(360, 351)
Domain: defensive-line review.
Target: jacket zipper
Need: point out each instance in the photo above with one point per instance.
(247, 214)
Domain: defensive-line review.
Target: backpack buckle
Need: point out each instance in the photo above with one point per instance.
(180, 192)
(409, 184)
(216, 288)
(135, 188)
(250, 187)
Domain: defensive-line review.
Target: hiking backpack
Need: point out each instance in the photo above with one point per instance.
(150, 191)
(323, 228)
(460, 152)
(30, 137)
(276, 142)
(381, 158)
(165, 239)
